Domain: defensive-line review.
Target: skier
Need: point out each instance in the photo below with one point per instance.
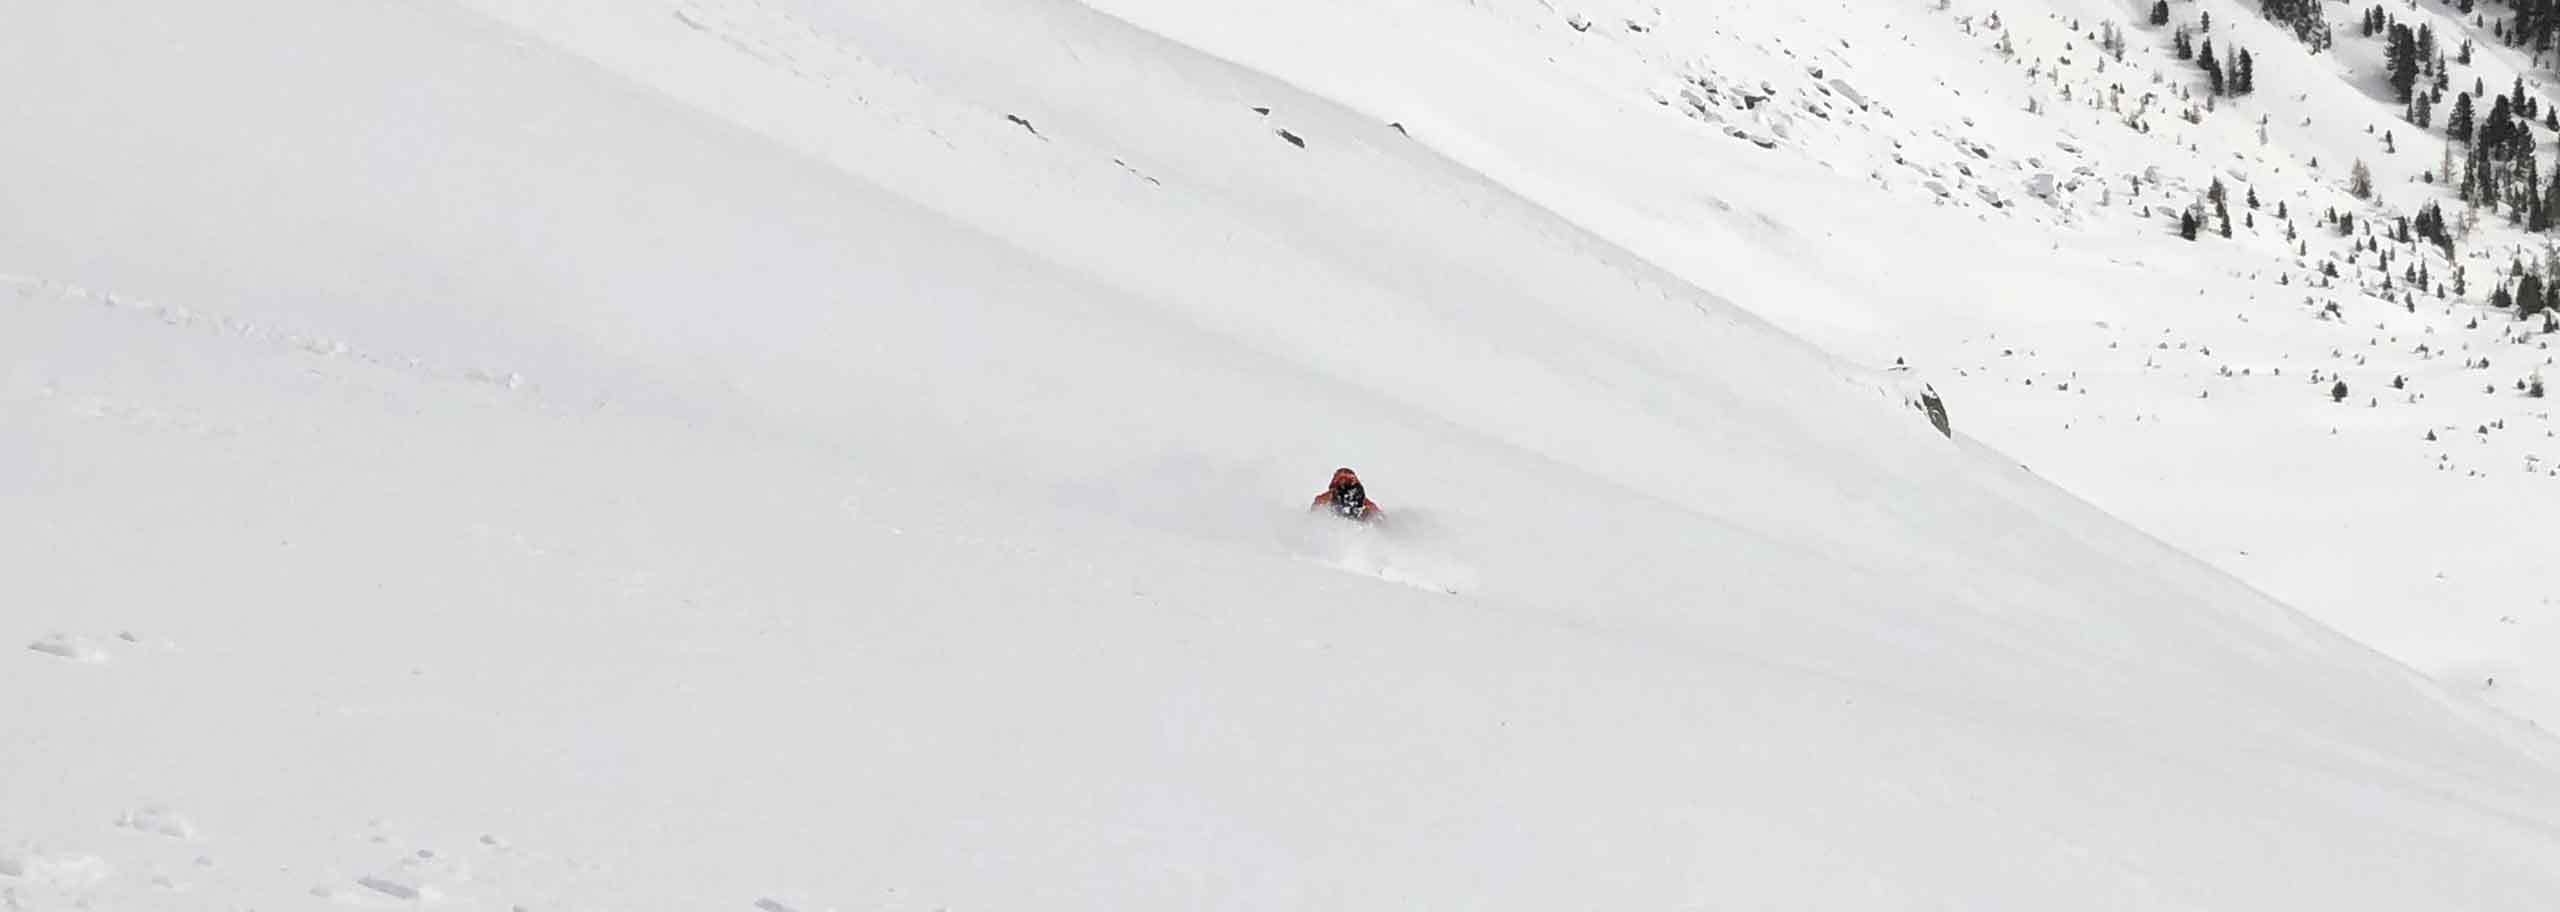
(1347, 499)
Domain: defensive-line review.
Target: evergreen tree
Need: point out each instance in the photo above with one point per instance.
(2497, 131)
(2247, 76)
(2360, 180)
(2550, 202)
(2338, 392)
(2182, 44)
(2479, 177)
(2401, 61)
(2187, 224)
(2160, 12)
(2525, 181)
(2302, 16)
(2458, 124)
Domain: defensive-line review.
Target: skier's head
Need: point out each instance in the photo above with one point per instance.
(1344, 478)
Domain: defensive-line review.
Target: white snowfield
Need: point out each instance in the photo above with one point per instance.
(793, 455)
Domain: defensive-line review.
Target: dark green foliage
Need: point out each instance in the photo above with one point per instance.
(2401, 61)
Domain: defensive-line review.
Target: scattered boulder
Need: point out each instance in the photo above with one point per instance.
(1936, 408)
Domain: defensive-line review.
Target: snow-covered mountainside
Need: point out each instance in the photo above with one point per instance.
(1989, 194)
(1981, 192)
(796, 455)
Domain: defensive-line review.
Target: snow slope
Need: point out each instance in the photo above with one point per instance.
(794, 455)
(1977, 190)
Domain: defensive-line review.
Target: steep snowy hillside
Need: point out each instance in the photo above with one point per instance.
(1990, 194)
(793, 455)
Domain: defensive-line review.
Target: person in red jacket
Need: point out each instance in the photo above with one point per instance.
(1346, 498)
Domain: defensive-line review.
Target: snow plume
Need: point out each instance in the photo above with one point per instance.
(1406, 548)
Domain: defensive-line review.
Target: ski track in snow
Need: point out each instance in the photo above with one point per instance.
(1397, 550)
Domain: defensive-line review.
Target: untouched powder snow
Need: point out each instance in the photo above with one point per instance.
(795, 455)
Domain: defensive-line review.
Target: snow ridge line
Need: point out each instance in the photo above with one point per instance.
(31, 289)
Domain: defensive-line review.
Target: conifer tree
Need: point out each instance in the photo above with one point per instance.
(2550, 201)
(2401, 61)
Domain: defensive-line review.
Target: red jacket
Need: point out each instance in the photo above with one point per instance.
(1342, 479)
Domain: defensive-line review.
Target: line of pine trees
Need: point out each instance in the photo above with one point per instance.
(2231, 73)
(2303, 18)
